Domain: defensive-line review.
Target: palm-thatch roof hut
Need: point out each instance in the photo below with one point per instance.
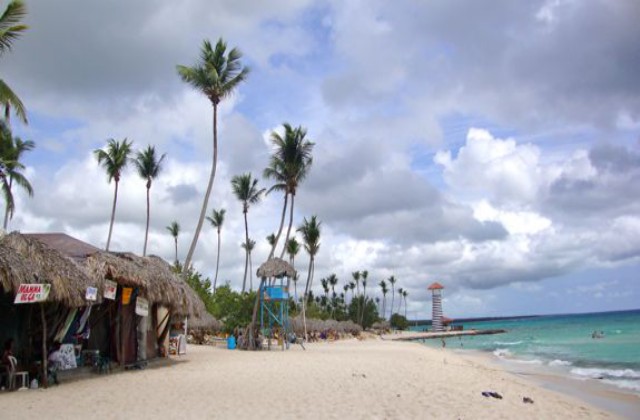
(24, 260)
(276, 267)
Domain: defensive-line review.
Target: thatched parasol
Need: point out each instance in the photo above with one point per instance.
(276, 267)
(25, 260)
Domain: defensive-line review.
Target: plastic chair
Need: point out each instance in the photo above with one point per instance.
(24, 376)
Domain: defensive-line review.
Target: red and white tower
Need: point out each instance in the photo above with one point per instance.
(436, 315)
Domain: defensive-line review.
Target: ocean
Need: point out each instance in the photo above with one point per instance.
(603, 346)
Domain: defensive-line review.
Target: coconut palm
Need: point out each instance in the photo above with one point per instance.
(383, 287)
(148, 165)
(310, 230)
(400, 290)
(392, 282)
(363, 275)
(289, 165)
(11, 150)
(325, 287)
(245, 188)
(216, 75)
(293, 247)
(404, 295)
(333, 281)
(10, 29)
(217, 220)
(271, 239)
(114, 160)
(248, 247)
(174, 230)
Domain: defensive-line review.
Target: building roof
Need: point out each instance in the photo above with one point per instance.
(65, 244)
(435, 286)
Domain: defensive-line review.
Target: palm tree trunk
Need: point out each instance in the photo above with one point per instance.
(284, 248)
(175, 240)
(250, 272)
(215, 280)
(275, 243)
(205, 203)
(405, 308)
(113, 215)
(146, 232)
(364, 304)
(392, 298)
(384, 306)
(304, 298)
(6, 212)
(246, 256)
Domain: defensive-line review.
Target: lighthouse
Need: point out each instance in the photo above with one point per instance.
(436, 315)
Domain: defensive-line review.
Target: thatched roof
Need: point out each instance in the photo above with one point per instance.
(204, 322)
(27, 260)
(276, 267)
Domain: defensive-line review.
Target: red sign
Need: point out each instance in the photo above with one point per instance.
(30, 293)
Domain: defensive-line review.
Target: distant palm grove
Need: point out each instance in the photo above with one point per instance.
(217, 74)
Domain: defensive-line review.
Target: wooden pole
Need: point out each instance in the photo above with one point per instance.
(45, 369)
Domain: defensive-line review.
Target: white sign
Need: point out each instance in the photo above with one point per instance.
(92, 294)
(142, 306)
(30, 293)
(110, 289)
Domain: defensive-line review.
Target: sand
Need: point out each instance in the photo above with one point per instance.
(368, 379)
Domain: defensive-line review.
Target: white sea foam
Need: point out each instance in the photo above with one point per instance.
(507, 343)
(529, 361)
(559, 362)
(502, 353)
(624, 384)
(598, 373)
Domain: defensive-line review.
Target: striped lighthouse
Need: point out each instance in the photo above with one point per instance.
(436, 315)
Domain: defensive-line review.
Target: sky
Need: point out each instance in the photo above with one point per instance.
(493, 147)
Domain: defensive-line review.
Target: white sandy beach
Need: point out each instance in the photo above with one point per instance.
(345, 379)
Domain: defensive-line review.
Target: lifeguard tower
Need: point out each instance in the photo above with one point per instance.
(274, 300)
(436, 310)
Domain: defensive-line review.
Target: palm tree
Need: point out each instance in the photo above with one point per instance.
(383, 286)
(174, 230)
(293, 247)
(333, 281)
(10, 30)
(392, 282)
(289, 165)
(310, 231)
(325, 286)
(246, 190)
(400, 290)
(11, 150)
(352, 286)
(271, 239)
(114, 160)
(404, 294)
(346, 290)
(364, 274)
(248, 247)
(217, 220)
(216, 75)
(148, 166)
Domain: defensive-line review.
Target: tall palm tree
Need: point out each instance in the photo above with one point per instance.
(333, 281)
(174, 230)
(310, 230)
(114, 160)
(364, 274)
(216, 75)
(217, 220)
(392, 282)
(271, 239)
(248, 247)
(400, 290)
(289, 165)
(293, 247)
(325, 287)
(245, 188)
(10, 29)
(383, 286)
(404, 295)
(11, 150)
(148, 166)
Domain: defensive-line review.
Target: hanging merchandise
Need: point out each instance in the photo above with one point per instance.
(126, 295)
(142, 306)
(92, 294)
(110, 289)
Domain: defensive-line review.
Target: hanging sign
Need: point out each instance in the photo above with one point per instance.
(142, 307)
(126, 295)
(91, 294)
(29, 293)
(110, 289)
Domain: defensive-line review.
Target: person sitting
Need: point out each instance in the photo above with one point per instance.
(5, 363)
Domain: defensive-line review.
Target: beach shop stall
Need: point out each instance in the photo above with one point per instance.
(44, 297)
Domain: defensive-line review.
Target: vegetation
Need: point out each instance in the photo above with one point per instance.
(11, 151)
(148, 166)
(217, 75)
(217, 220)
(399, 322)
(10, 29)
(174, 230)
(114, 159)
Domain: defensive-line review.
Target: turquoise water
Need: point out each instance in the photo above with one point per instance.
(566, 343)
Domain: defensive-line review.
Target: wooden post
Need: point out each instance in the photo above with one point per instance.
(45, 370)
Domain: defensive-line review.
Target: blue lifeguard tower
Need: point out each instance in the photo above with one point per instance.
(273, 296)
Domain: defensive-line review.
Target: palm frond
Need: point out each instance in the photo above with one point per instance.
(10, 26)
(9, 100)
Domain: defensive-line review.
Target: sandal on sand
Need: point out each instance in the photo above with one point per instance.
(496, 395)
(527, 400)
(486, 394)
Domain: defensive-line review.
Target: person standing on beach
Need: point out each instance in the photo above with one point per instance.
(444, 343)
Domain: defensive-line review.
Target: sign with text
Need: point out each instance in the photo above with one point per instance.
(92, 294)
(126, 295)
(110, 289)
(30, 293)
(142, 306)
